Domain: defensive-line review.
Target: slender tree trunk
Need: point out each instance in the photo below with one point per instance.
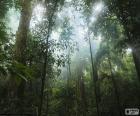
(46, 63)
(68, 84)
(76, 112)
(115, 89)
(94, 74)
(67, 91)
(83, 96)
(80, 94)
(77, 93)
(68, 68)
(43, 79)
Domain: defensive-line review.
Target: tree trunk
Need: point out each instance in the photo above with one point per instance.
(77, 94)
(68, 86)
(20, 45)
(94, 77)
(115, 88)
(83, 96)
(22, 33)
(80, 94)
(45, 65)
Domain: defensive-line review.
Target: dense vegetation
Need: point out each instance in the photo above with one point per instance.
(69, 57)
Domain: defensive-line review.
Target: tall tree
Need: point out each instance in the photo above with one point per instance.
(115, 88)
(21, 41)
(45, 65)
(94, 76)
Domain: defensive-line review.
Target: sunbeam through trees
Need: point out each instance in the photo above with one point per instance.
(69, 57)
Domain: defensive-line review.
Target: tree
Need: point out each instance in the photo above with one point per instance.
(21, 41)
(128, 14)
(46, 59)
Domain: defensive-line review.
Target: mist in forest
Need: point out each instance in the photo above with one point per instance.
(69, 57)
